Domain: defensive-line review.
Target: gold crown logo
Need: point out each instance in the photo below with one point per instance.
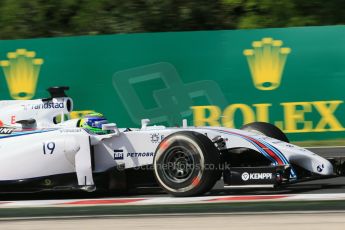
(21, 72)
(266, 62)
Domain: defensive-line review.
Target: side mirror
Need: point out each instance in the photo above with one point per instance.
(111, 127)
(28, 124)
(144, 123)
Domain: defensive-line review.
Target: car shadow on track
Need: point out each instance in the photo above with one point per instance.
(332, 185)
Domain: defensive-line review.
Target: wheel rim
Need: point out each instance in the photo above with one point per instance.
(178, 164)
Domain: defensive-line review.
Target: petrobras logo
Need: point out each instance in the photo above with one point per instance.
(46, 105)
(143, 154)
(256, 176)
(118, 154)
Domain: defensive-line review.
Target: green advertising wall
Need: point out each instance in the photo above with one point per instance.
(293, 77)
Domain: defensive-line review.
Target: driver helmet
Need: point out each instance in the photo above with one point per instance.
(93, 123)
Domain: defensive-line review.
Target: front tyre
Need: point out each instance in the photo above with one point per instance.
(186, 163)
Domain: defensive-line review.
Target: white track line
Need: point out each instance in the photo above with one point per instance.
(172, 200)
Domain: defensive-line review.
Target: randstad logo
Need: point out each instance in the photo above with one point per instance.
(266, 62)
(21, 72)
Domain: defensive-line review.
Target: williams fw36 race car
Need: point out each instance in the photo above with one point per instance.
(40, 150)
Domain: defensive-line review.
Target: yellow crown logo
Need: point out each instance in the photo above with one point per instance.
(266, 62)
(21, 72)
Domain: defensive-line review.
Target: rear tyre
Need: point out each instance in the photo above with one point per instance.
(186, 163)
(266, 129)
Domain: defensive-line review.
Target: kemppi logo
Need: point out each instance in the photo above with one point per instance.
(245, 176)
(256, 176)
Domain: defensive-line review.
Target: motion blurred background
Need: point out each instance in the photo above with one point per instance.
(220, 63)
(50, 18)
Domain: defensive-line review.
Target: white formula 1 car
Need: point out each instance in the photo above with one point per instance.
(39, 154)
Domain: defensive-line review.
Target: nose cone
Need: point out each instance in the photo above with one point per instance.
(324, 168)
(311, 162)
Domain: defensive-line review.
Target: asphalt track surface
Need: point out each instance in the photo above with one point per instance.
(266, 221)
(336, 151)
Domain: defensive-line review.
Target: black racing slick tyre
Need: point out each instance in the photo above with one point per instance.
(186, 163)
(267, 129)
